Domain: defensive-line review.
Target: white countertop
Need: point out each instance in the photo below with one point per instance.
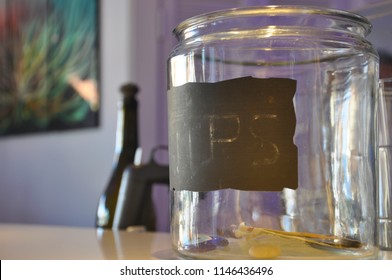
(39, 242)
(77, 243)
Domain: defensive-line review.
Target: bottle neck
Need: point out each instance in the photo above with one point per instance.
(127, 128)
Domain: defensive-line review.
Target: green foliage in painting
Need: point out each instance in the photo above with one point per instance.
(48, 65)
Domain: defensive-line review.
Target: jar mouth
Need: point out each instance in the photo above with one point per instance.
(303, 15)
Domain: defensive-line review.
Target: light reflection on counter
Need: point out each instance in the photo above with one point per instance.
(134, 244)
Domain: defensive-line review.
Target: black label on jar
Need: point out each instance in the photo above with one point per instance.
(234, 134)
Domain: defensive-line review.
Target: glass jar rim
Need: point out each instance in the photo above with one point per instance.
(271, 10)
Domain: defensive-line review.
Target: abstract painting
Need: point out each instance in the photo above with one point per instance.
(49, 65)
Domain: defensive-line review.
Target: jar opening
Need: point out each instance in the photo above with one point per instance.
(263, 16)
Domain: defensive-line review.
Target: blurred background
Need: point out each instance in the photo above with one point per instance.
(57, 177)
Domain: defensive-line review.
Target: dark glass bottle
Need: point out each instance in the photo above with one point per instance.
(126, 145)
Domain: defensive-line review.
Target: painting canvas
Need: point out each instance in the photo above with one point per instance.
(49, 65)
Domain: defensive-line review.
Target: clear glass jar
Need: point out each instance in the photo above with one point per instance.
(271, 142)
